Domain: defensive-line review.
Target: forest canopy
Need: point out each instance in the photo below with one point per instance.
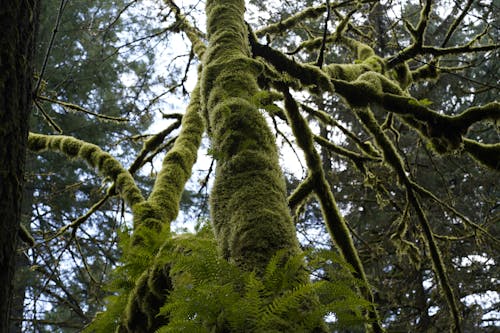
(347, 177)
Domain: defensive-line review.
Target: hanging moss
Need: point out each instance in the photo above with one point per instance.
(393, 158)
(444, 132)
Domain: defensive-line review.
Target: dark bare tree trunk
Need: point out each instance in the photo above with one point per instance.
(22, 261)
(17, 24)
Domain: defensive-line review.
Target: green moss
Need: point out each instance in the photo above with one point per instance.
(486, 154)
(135, 318)
(363, 83)
(92, 154)
(362, 50)
(308, 75)
(178, 163)
(403, 75)
(388, 149)
(335, 223)
(26, 236)
(283, 25)
(375, 63)
(346, 72)
(249, 211)
(368, 88)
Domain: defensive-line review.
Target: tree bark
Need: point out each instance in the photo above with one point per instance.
(17, 23)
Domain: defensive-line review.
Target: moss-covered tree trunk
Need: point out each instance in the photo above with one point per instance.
(17, 22)
(249, 211)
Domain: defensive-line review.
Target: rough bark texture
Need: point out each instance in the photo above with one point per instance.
(17, 22)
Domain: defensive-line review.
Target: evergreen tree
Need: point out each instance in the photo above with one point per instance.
(18, 20)
(60, 280)
(399, 159)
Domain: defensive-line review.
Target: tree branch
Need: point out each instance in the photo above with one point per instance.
(93, 155)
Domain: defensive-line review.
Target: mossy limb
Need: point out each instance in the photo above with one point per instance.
(92, 154)
(177, 164)
(486, 154)
(249, 211)
(335, 223)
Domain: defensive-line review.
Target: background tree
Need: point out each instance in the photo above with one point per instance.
(82, 93)
(18, 21)
(355, 86)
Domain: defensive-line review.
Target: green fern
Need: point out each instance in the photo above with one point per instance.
(212, 295)
(135, 261)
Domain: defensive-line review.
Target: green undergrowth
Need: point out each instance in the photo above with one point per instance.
(136, 260)
(211, 294)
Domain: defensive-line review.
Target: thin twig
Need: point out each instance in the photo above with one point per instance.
(49, 48)
(321, 55)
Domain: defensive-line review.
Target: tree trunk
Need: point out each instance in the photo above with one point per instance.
(22, 261)
(248, 204)
(17, 24)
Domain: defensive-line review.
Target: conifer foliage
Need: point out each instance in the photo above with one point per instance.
(352, 85)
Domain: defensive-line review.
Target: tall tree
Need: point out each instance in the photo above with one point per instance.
(81, 94)
(18, 21)
(245, 271)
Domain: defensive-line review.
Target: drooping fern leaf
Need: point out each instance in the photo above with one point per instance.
(212, 295)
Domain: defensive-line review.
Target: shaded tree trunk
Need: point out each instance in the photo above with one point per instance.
(22, 261)
(17, 23)
(19, 290)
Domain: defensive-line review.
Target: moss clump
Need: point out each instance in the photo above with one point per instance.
(402, 75)
(375, 63)
(369, 87)
(249, 211)
(346, 72)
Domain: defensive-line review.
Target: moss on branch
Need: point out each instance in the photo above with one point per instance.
(290, 22)
(249, 212)
(194, 35)
(393, 158)
(486, 154)
(308, 75)
(178, 163)
(94, 156)
(335, 223)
